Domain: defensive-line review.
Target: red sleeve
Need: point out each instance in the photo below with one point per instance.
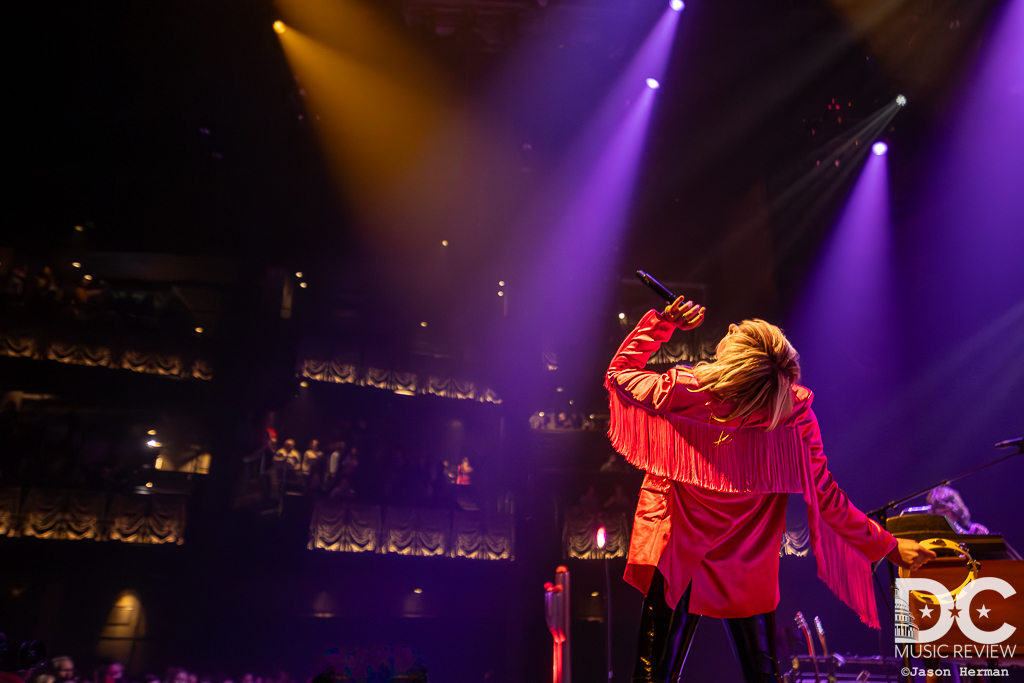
(665, 392)
(835, 507)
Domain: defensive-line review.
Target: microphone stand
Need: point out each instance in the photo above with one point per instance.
(881, 514)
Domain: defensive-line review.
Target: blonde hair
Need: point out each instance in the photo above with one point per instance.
(756, 369)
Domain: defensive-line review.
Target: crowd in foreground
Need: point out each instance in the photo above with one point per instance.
(63, 670)
(364, 665)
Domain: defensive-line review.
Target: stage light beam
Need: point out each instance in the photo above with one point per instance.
(848, 308)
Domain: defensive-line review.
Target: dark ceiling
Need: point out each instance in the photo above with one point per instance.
(177, 127)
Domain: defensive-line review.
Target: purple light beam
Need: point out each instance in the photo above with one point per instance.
(587, 210)
(843, 327)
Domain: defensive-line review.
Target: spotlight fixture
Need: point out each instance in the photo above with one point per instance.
(303, 384)
(76, 264)
(199, 330)
(303, 285)
(501, 293)
(79, 228)
(501, 283)
(677, 5)
(417, 591)
(279, 26)
(444, 243)
(594, 594)
(152, 432)
(622, 316)
(653, 83)
(901, 100)
(879, 148)
(299, 274)
(602, 537)
(153, 443)
(423, 324)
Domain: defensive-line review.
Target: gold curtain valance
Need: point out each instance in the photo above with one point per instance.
(422, 532)
(70, 514)
(149, 362)
(579, 535)
(405, 383)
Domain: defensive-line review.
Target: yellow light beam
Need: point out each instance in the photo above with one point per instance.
(373, 126)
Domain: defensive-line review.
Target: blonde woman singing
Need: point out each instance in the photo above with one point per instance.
(723, 445)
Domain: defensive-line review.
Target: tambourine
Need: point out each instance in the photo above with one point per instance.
(973, 567)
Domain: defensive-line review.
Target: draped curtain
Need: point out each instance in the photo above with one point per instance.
(62, 515)
(18, 347)
(579, 535)
(406, 383)
(67, 514)
(9, 496)
(98, 356)
(75, 354)
(151, 363)
(147, 519)
(796, 541)
(480, 537)
(345, 528)
(423, 532)
(689, 349)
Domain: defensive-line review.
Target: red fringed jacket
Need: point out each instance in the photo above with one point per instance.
(712, 508)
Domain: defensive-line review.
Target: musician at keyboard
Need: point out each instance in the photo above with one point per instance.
(946, 501)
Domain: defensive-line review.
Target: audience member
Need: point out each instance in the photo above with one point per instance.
(465, 470)
(64, 668)
(311, 466)
(451, 471)
(111, 673)
(289, 456)
(338, 452)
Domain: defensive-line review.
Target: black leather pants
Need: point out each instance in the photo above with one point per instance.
(666, 634)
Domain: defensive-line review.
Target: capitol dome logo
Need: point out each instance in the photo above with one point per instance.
(906, 628)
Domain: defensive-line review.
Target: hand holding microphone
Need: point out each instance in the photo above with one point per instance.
(685, 314)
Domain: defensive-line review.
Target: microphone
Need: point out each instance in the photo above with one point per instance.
(656, 286)
(1011, 442)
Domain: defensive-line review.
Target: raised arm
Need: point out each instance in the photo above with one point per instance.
(626, 372)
